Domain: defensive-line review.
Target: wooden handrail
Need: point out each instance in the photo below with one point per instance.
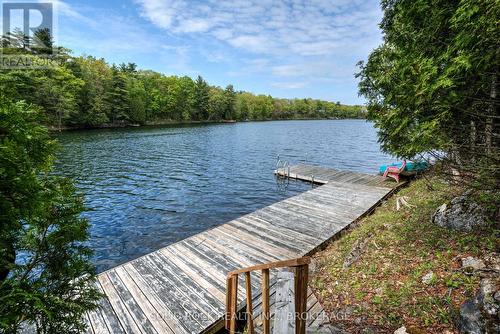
(301, 269)
(273, 265)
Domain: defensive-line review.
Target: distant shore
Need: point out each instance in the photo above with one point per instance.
(172, 122)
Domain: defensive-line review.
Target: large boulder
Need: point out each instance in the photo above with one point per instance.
(480, 315)
(462, 213)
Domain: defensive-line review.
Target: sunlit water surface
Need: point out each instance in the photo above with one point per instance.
(146, 188)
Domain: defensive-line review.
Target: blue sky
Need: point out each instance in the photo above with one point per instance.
(286, 48)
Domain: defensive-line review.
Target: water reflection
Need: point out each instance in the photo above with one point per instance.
(148, 187)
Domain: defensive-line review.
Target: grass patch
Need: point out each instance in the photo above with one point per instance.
(383, 289)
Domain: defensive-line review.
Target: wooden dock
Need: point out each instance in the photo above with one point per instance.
(181, 288)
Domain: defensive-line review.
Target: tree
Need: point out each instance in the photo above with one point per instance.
(129, 68)
(218, 104)
(117, 96)
(186, 99)
(241, 106)
(88, 92)
(230, 98)
(432, 85)
(45, 270)
(57, 92)
(137, 100)
(55, 89)
(160, 99)
(16, 41)
(92, 103)
(201, 99)
(42, 41)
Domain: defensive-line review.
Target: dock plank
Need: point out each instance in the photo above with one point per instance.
(180, 288)
(126, 320)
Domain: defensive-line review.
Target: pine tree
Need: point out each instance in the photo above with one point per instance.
(117, 97)
(201, 99)
(432, 85)
(230, 100)
(46, 276)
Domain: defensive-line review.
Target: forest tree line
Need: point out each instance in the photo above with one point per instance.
(88, 92)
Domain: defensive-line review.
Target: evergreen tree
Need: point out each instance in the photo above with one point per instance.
(117, 97)
(185, 99)
(230, 99)
(46, 274)
(432, 86)
(137, 100)
(57, 92)
(42, 41)
(201, 99)
(85, 91)
(16, 41)
(129, 68)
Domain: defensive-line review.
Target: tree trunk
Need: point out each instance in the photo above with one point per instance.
(492, 109)
(473, 137)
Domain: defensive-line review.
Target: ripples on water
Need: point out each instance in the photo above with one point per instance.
(148, 187)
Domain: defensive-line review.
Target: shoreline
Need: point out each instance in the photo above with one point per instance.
(65, 128)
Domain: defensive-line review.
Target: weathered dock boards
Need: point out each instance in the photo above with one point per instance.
(316, 316)
(181, 288)
(322, 175)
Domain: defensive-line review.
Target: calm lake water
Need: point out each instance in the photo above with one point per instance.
(146, 188)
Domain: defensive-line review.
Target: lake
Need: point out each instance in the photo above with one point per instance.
(146, 188)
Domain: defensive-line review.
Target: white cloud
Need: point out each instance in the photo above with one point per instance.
(286, 44)
(120, 38)
(159, 12)
(252, 43)
(312, 28)
(310, 39)
(194, 25)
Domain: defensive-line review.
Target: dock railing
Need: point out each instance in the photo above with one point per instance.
(300, 267)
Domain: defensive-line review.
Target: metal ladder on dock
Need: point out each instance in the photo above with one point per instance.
(282, 172)
(283, 165)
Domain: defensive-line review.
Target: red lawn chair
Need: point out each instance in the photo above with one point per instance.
(393, 171)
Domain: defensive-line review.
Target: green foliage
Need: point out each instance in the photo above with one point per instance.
(45, 267)
(54, 89)
(93, 109)
(229, 100)
(117, 96)
(202, 97)
(88, 92)
(137, 100)
(432, 86)
(217, 104)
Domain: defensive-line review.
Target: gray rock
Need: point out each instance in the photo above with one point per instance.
(497, 296)
(480, 315)
(488, 291)
(492, 261)
(369, 330)
(461, 214)
(470, 262)
(471, 321)
(327, 329)
(401, 330)
(427, 279)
